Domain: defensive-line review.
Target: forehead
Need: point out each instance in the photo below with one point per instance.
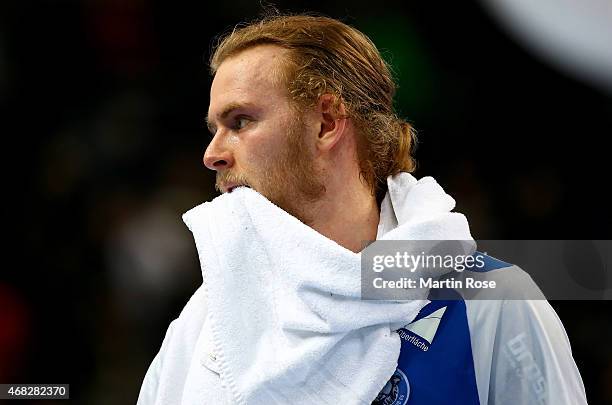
(248, 77)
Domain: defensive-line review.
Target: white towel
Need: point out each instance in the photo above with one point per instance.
(287, 321)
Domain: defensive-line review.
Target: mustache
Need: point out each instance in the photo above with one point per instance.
(230, 177)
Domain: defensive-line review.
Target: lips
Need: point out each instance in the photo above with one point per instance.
(230, 187)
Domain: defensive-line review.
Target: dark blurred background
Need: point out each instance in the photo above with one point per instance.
(103, 105)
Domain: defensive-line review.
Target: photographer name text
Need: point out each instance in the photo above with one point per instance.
(405, 283)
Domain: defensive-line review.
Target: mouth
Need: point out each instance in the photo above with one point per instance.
(231, 187)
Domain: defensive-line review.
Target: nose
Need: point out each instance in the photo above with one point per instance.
(218, 156)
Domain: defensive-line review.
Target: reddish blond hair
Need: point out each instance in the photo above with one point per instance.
(327, 56)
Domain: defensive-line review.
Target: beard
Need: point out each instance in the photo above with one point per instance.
(289, 179)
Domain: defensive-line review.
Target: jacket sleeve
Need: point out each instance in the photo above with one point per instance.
(531, 360)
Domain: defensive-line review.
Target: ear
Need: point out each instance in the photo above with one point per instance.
(332, 120)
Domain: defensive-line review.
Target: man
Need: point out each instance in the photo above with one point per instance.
(312, 161)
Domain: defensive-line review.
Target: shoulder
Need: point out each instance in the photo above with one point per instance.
(189, 323)
(183, 332)
(489, 278)
(168, 370)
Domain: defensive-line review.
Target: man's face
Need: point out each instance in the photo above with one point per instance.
(259, 140)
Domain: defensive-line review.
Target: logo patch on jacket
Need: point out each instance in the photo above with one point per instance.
(395, 392)
(425, 328)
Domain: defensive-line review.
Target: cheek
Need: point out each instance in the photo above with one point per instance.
(251, 156)
(262, 148)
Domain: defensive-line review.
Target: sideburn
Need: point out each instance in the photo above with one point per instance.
(295, 177)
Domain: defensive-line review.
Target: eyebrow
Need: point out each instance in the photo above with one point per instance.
(231, 107)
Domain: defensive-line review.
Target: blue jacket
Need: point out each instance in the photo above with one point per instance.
(472, 352)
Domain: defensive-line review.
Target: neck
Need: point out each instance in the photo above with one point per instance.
(348, 214)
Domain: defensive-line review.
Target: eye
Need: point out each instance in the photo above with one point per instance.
(241, 122)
